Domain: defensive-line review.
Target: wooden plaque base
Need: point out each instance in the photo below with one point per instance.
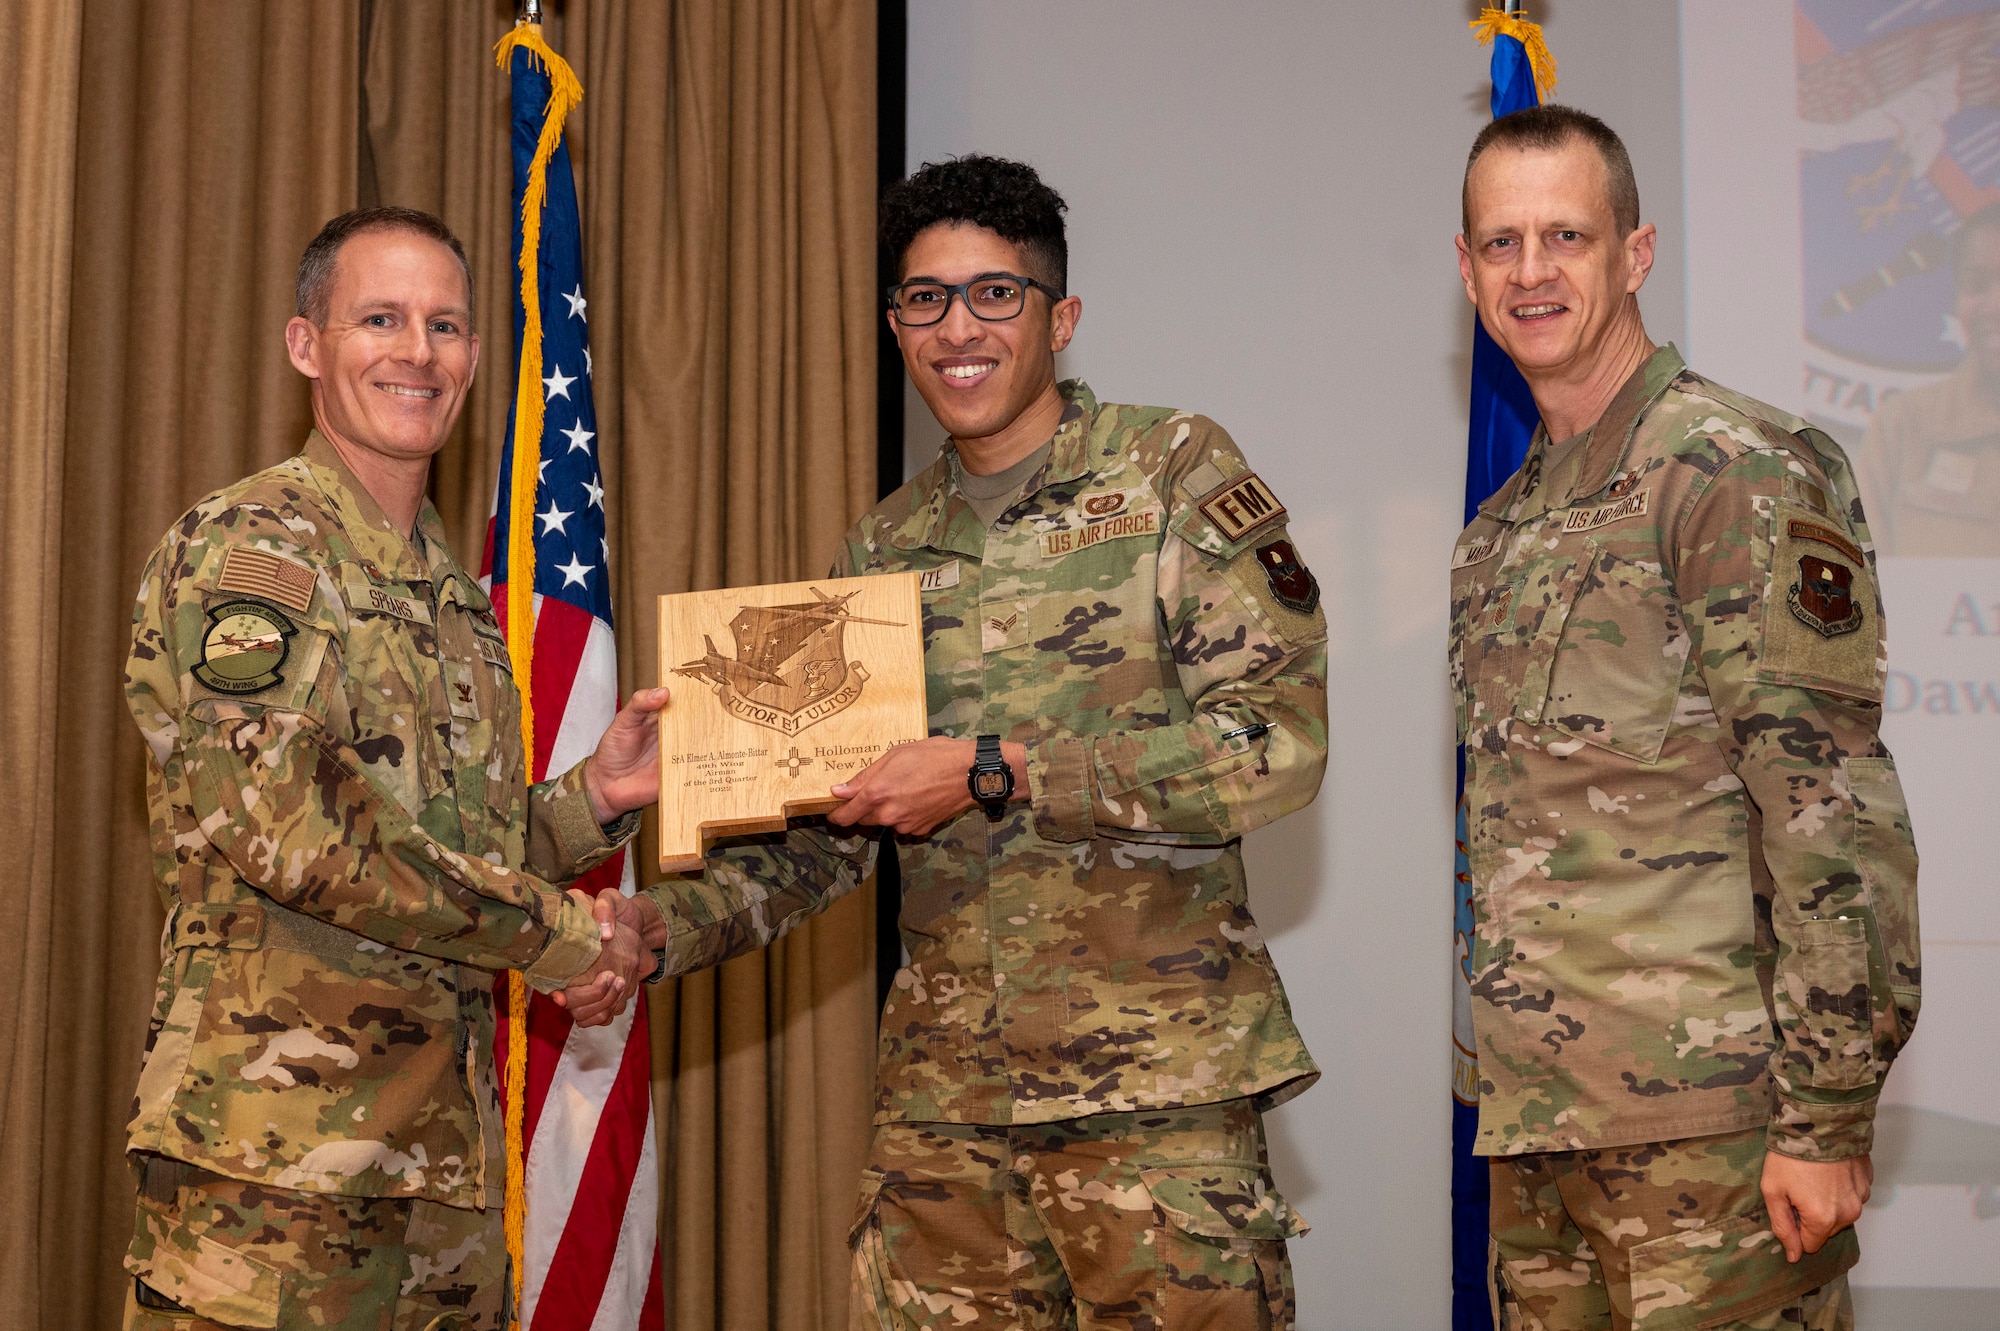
(779, 693)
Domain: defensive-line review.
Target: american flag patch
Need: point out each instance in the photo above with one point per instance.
(273, 577)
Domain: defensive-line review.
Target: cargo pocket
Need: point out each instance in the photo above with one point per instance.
(868, 1287)
(1836, 1017)
(1221, 1238)
(1729, 1272)
(1885, 850)
(207, 1278)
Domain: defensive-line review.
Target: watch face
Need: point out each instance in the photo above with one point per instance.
(992, 785)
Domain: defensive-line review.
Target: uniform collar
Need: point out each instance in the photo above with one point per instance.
(941, 518)
(1556, 475)
(382, 550)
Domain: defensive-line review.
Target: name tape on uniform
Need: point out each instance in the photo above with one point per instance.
(271, 576)
(1241, 506)
(1590, 519)
(365, 597)
(939, 578)
(1476, 553)
(1056, 544)
(1813, 531)
(494, 652)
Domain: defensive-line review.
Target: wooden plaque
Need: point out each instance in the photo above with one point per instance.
(779, 693)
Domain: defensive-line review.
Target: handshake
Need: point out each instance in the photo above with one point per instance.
(630, 930)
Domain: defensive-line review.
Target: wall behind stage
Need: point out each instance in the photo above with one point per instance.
(1262, 205)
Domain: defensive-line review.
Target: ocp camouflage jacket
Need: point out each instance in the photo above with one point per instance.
(345, 842)
(1693, 873)
(1140, 621)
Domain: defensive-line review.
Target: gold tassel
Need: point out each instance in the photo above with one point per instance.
(1493, 23)
(564, 94)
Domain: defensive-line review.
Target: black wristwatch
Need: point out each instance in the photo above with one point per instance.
(991, 780)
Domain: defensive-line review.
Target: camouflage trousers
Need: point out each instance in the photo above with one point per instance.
(1158, 1221)
(1660, 1236)
(212, 1252)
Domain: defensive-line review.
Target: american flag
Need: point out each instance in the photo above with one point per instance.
(590, 1255)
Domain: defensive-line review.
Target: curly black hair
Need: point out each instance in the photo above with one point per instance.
(1005, 197)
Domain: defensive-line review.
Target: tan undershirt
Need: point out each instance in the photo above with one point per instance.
(990, 496)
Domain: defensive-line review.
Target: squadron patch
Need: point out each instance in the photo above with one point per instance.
(1823, 597)
(1291, 582)
(246, 643)
(1241, 506)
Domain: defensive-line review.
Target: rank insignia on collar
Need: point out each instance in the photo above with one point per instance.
(1823, 597)
(246, 643)
(1291, 582)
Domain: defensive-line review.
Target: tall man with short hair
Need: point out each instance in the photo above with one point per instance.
(1126, 672)
(1694, 878)
(348, 847)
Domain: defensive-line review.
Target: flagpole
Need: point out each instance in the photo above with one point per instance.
(529, 11)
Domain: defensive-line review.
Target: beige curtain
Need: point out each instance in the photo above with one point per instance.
(167, 164)
(38, 99)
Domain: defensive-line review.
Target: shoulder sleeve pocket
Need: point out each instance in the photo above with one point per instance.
(1822, 612)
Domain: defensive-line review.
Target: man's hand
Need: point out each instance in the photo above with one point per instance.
(624, 773)
(915, 788)
(1812, 1200)
(641, 914)
(623, 962)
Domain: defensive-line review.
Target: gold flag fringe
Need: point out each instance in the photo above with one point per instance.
(564, 94)
(1493, 23)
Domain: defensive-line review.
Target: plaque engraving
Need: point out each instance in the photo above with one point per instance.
(779, 693)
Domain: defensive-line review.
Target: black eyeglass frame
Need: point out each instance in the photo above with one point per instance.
(961, 291)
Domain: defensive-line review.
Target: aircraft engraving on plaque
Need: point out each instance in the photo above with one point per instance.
(790, 670)
(779, 694)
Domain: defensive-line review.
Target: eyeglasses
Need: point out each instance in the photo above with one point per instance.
(994, 297)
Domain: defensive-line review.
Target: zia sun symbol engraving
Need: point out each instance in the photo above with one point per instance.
(791, 669)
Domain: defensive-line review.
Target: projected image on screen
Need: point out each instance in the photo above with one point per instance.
(1842, 171)
(1899, 226)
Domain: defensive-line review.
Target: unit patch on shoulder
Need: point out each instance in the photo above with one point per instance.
(246, 643)
(1823, 597)
(1241, 506)
(254, 572)
(1291, 582)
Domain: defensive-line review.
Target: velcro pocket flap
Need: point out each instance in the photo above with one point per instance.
(1222, 1201)
(1726, 1273)
(1834, 1002)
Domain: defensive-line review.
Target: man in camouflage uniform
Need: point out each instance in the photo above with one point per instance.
(1694, 879)
(1074, 1063)
(347, 847)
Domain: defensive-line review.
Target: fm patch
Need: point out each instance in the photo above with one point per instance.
(1291, 582)
(246, 643)
(1823, 597)
(1241, 506)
